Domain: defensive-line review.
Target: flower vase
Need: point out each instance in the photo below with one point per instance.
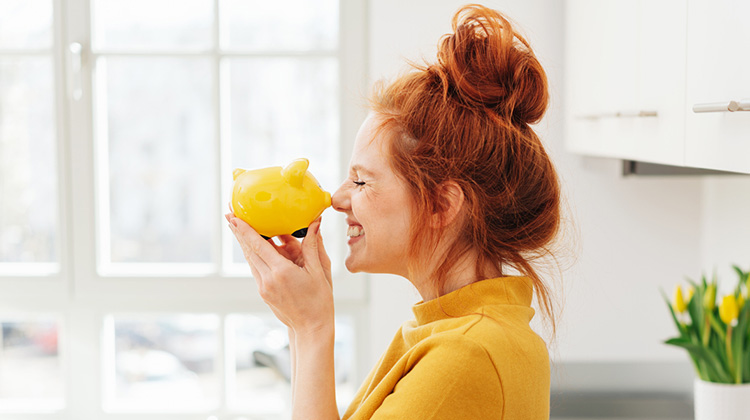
(715, 401)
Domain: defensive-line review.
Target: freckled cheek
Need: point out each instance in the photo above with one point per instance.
(367, 211)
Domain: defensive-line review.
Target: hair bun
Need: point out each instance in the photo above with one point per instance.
(485, 63)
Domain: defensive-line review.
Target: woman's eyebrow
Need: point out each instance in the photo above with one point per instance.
(360, 169)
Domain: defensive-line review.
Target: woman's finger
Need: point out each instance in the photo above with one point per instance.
(325, 261)
(292, 247)
(259, 246)
(252, 258)
(310, 248)
(280, 249)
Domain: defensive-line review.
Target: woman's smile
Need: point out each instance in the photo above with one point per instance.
(377, 205)
(354, 232)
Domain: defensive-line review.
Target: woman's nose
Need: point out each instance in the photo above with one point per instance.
(340, 199)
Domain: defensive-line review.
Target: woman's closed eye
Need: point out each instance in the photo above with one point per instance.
(360, 183)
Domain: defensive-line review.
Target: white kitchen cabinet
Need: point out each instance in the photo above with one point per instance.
(597, 52)
(625, 79)
(718, 72)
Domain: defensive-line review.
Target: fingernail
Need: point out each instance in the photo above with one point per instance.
(233, 222)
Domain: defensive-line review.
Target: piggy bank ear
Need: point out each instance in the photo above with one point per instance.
(295, 172)
(237, 172)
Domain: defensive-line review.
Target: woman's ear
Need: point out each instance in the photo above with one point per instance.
(451, 201)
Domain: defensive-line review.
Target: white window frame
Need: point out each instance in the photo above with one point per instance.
(82, 297)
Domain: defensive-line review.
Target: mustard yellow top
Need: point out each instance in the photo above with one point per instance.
(469, 354)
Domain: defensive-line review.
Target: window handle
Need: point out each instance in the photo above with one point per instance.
(75, 89)
(621, 114)
(731, 106)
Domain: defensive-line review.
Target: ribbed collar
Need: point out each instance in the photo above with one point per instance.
(514, 290)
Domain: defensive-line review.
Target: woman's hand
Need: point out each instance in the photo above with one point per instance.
(293, 278)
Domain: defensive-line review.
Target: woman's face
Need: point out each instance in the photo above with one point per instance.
(377, 206)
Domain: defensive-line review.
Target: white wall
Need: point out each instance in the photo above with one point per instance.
(726, 222)
(635, 235)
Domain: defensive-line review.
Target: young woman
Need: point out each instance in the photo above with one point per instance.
(450, 188)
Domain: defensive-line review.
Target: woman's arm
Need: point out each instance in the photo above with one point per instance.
(295, 281)
(314, 384)
(292, 361)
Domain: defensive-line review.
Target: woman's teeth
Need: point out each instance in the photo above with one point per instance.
(354, 231)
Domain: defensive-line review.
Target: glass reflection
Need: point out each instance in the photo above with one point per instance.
(152, 24)
(259, 344)
(28, 161)
(255, 25)
(30, 368)
(158, 128)
(165, 362)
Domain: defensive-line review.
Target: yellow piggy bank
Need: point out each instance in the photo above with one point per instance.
(279, 201)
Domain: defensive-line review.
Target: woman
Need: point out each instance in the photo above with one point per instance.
(450, 188)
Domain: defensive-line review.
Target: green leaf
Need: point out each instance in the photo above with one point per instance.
(718, 327)
(720, 350)
(695, 309)
(713, 365)
(698, 363)
(743, 275)
(738, 341)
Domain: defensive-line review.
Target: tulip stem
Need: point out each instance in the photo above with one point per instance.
(706, 331)
(729, 350)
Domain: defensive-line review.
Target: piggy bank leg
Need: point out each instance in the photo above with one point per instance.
(300, 233)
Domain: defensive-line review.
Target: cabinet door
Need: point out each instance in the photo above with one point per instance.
(656, 126)
(625, 79)
(600, 65)
(718, 72)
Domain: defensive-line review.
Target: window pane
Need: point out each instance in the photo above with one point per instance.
(282, 109)
(158, 121)
(299, 25)
(25, 24)
(261, 384)
(30, 371)
(161, 362)
(152, 24)
(28, 168)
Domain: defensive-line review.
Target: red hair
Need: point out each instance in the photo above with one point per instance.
(465, 119)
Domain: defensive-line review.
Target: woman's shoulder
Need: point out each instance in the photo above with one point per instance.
(497, 336)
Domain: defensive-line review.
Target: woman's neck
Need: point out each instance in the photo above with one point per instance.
(463, 273)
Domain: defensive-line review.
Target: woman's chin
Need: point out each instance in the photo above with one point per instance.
(351, 264)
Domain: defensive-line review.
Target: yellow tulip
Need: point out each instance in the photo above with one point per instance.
(709, 299)
(728, 310)
(679, 302)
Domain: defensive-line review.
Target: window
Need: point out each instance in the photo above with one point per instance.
(121, 289)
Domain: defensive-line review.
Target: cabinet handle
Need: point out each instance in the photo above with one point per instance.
(621, 114)
(75, 85)
(731, 106)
